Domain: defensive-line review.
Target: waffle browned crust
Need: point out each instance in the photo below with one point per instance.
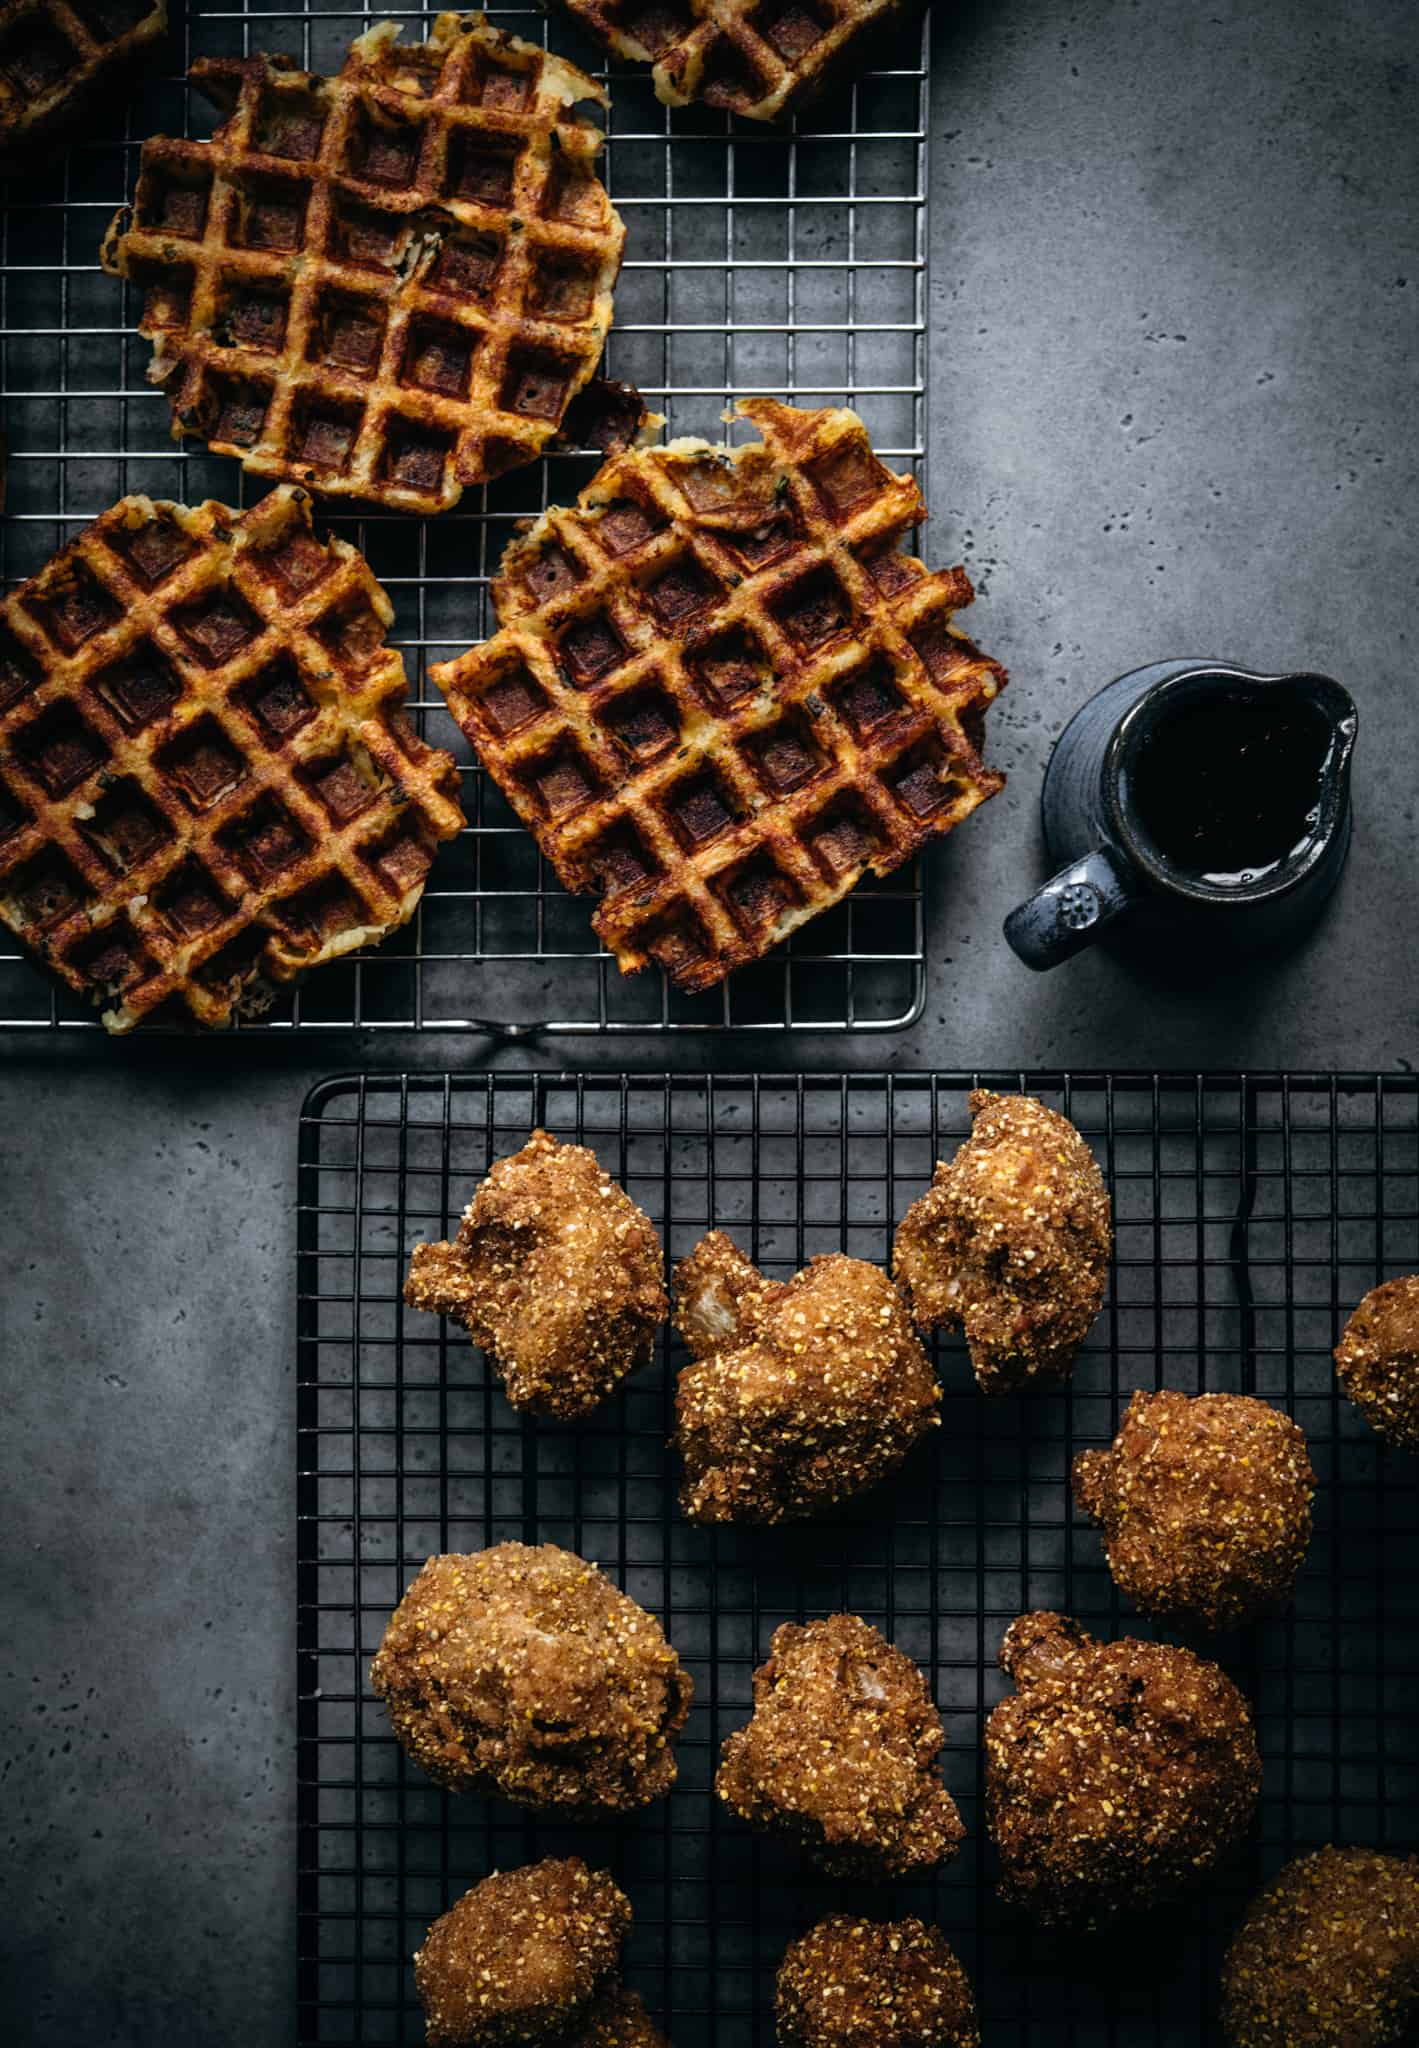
(759, 58)
(386, 285)
(56, 56)
(206, 775)
(721, 695)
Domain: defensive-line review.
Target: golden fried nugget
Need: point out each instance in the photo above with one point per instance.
(1377, 1360)
(524, 1671)
(841, 1753)
(520, 1956)
(555, 1272)
(1011, 1241)
(1118, 1773)
(874, 1984)
(803, 1392)
(1328, 1956)
(1205, 1505)
(616, 2018)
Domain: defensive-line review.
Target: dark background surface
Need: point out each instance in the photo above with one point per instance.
(1173, 411)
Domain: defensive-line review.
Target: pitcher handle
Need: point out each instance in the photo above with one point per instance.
(1069, 911)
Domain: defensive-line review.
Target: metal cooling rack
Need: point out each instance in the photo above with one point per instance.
(1251, 1214)
(788, 261)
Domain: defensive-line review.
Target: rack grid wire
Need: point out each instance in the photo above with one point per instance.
(789, 261)
(1251, 1214)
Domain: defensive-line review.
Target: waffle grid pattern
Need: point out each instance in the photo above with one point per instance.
(390, 284)
(721, 692)
(755, 58)
(1252, 1213)
(784, 259)
(209, 781)
(54, 57)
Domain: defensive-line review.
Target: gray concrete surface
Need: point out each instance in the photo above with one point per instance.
(1174, 296)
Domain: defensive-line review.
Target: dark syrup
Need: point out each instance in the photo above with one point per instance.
(1227, 791)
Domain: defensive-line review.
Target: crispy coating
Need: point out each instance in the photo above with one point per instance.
(524, 1671)
(1328, 1956)
(874, 1984)
(616, 2018)
(1116, 1775)
(1011, 1241)
(803, 1392)
(841, 1753)
(1377, 1360)
(1205, 1505)
(555, 1272)
(519, 1957)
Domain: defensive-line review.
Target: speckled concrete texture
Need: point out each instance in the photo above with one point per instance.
(1173, 317)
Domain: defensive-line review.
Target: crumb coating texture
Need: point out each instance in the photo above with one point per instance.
(840, 1754)
(1116, 1775)
(802, 1392)
(1011, 1243)
(526, 1672)
(519, 1957)
(555, 1272)
(1377, 1360)
(1205, 1506)
(1328, 1956)
(852, 1983)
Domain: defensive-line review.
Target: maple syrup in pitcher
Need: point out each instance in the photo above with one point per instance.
(1227, 791)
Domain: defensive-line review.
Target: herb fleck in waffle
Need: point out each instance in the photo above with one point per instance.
(387, 285)
(722, 694)
(759, 58)
(56, 56)
(206, 777)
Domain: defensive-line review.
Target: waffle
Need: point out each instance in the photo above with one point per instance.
(206, 777)
(387, 285)
(721, 695)
(759, 58)
(57, 56)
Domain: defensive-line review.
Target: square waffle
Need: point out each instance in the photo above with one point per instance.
(55, 58)
(721, 694)
(759, 58)
(206, 775)
(387, 285)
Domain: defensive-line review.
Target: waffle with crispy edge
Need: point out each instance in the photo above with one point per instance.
(56, 57)
(387, 285)
(758, 58)
(721, 694)
(207, 781)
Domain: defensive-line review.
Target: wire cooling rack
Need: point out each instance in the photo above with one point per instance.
(788, 261)
(1251, 1214)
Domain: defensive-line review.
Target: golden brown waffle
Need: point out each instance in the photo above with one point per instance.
(56, 56)
(386, 285)
(721, 695)
(759, 58)
(206, 775)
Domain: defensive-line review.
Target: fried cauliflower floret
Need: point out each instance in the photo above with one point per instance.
(1011, 1242)
(524, 1671)
(1377, 1360)
(874, 1984)
(557, 1275)
(616, 2018)
(1328, 1956)
(841, 1752)
(521, 1956)
(802, 1393)
(1118, 1774)
(1205, 1505)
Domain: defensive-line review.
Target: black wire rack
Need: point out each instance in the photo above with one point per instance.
(776, 259)
(1251, 1214)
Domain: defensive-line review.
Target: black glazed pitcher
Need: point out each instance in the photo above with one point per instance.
(1198, 800)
